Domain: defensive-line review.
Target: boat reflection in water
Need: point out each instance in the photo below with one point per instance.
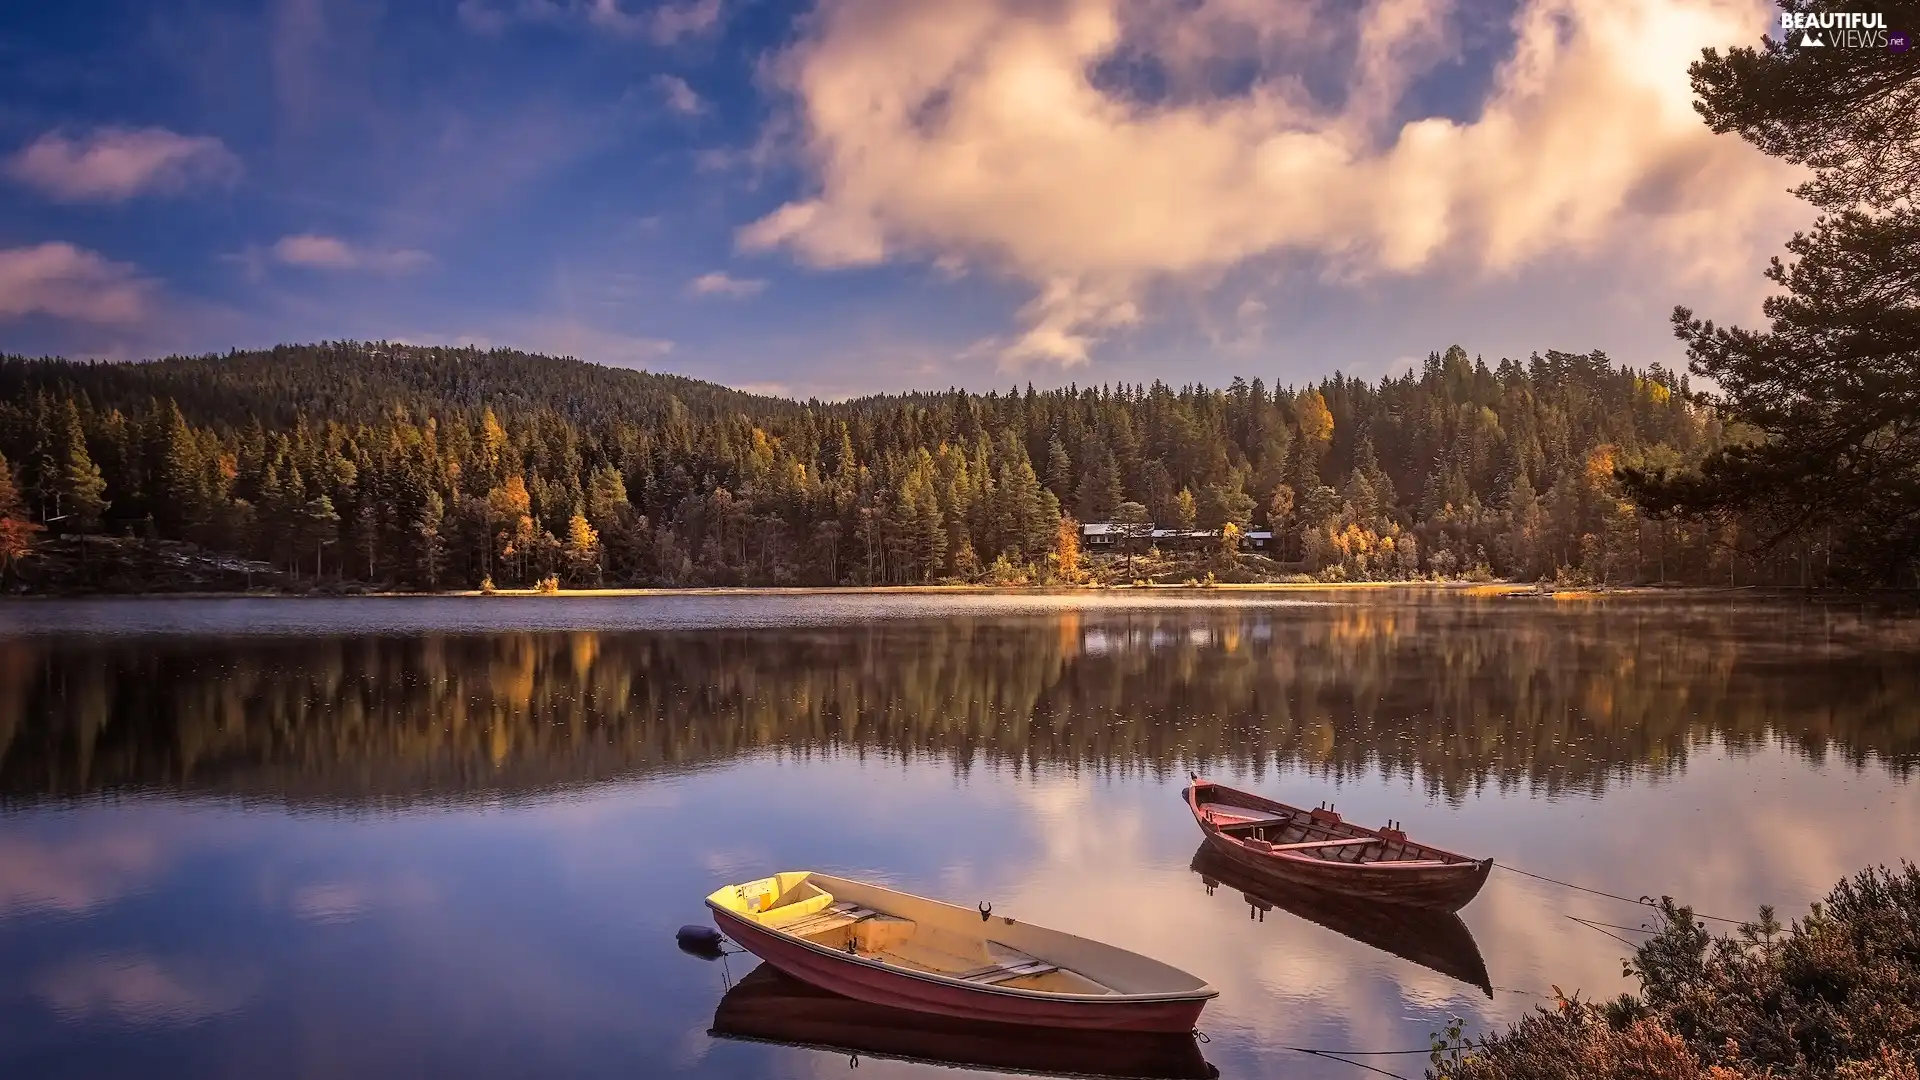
(1438, 940)
(768, 1006)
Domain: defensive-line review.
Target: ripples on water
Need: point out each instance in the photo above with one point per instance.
(407, 837)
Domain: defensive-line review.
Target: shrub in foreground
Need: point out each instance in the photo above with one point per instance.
(1836, 994)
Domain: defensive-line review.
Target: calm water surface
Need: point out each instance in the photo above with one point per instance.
(454, 837)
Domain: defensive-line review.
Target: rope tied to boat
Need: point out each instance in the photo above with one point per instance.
(1644, 901)
(1343, 1058)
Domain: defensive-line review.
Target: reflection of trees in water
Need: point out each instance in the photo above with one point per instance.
(1455, 695)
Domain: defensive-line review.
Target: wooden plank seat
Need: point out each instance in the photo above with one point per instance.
(1248, 823)
(830, 918)
(1311, 845)
(1008, 974)
(1013, 965)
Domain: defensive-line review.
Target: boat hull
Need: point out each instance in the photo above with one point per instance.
(1441, 887)
(875, 984)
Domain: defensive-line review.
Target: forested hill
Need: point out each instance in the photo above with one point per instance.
(437, 468)
(362, 383)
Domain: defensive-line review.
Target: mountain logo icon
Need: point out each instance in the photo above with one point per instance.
(1811, 40)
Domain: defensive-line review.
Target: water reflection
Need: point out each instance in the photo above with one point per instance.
(419, 854)
(767, 1006)
(1437, 940)
(1453, 696)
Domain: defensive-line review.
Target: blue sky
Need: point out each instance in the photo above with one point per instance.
(850, 195)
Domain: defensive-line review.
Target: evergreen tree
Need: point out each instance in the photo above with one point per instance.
(1059, 469)
(1523, 528)
(1831, 391)
(320, 528)
(82, 488)
(1099, 490)
(1226, 503)
(428, 548)
(1131, 522)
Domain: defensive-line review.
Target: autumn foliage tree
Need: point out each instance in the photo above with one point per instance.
(583, 548)
(1066, 552)
(16, 529)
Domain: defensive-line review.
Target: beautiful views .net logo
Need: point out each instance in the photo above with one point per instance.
(1843, 29)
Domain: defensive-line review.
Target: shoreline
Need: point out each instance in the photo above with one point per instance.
(1497, 589)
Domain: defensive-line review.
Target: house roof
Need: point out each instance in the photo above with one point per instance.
(1113, 528)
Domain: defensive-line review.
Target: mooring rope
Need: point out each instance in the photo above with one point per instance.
(1594, 926)
(1644, 901)
(1335, 1056)
(1358, 1053)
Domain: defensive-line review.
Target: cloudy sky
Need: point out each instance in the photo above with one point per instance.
(851, 195)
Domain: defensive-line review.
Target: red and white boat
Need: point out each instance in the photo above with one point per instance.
(1319, 849)
(891, 948)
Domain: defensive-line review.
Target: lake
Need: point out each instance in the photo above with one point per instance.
(409, 837)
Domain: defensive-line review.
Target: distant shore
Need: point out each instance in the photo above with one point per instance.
(126, 567)
(1460, 588)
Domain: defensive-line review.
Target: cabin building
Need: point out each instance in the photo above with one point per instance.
(1108, 536)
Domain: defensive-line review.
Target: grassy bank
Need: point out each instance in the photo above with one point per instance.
(1836, 994)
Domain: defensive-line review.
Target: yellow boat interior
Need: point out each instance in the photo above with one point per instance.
(930, 940)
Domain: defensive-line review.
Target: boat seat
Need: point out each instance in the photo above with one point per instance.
(1244, 822)
(832, 918)
(1009, 964)
(1009, 972)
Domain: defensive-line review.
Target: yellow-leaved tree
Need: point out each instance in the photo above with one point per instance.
(1316, 420)
(1066, 551)
(583, 548)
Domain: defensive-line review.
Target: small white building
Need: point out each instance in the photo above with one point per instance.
(1105, 534)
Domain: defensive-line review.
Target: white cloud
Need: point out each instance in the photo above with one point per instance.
(720, 283)
(319, 252)
(664, 24)
(68, 282)
(977, 130)
(680, 97)
(115, 164)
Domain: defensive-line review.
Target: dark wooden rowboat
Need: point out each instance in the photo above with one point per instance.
(770, 1007)
(1318, 849)
(1436, 940)
(891, 948)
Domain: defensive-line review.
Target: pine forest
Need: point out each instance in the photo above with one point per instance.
(351, 464)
